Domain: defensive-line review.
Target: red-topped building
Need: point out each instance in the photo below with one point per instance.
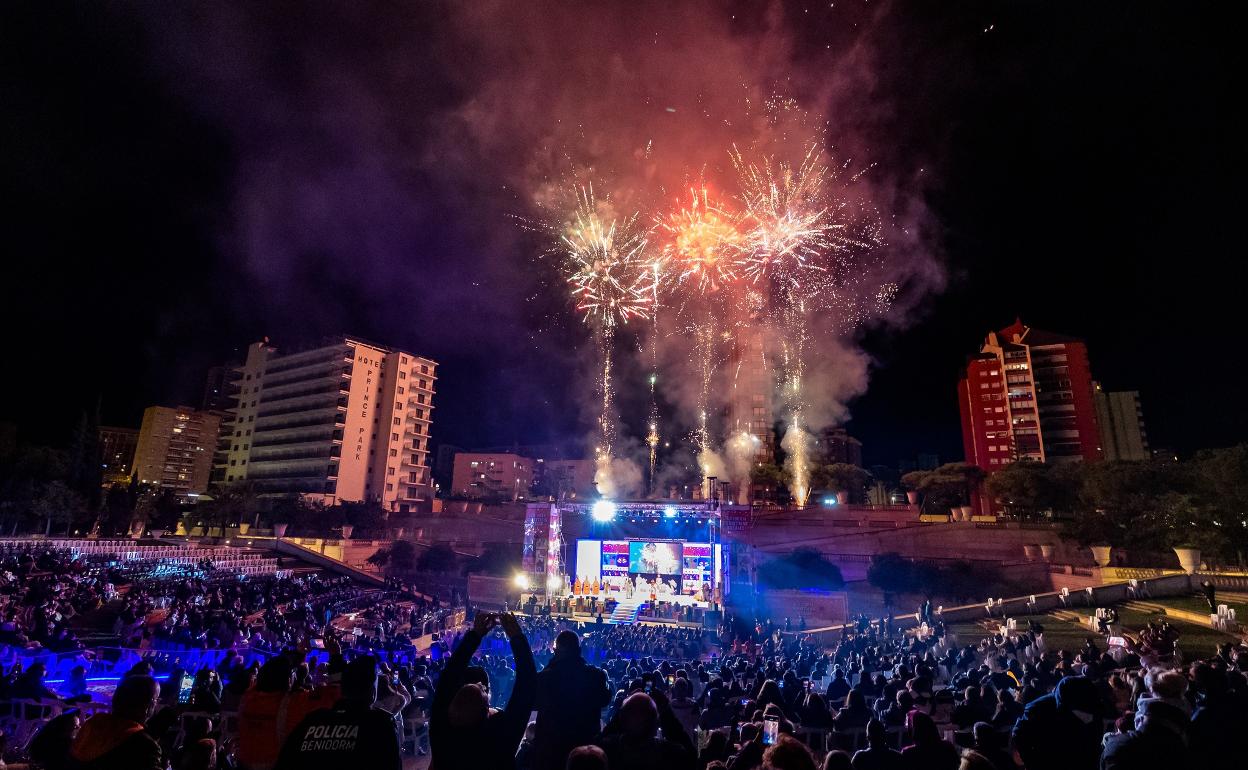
(1028, 396)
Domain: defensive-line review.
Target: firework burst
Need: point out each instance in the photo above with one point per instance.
(703, 241)
(611, 282)
(796, 235)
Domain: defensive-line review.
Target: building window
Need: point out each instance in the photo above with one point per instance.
(402, 375)
(389, 471)
(398, 406)
(394, 437)
(394, 453)
(398, 420)
(424, 369)
(402, 390)
(233, 463)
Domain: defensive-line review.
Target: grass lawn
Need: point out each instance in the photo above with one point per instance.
(1064, 635)
(1193, 640)
(1058, 634)
(1198, 604)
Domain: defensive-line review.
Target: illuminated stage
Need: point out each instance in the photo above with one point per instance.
(633, 552)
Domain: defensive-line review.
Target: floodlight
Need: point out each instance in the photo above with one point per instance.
(603, 510)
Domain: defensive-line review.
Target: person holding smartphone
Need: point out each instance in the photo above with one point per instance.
(462, 731)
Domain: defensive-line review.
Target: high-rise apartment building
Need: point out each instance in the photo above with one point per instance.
(345, 421)
(1027, 396)
(835, 445)
(117, 448)
(1121, 422)
(218, 396)
(175, 448)
(750, 387)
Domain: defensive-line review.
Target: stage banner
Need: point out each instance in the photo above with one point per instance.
(736, 519)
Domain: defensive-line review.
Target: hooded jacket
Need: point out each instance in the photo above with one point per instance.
(108, 742)
(1160, 742)
(1061, 730)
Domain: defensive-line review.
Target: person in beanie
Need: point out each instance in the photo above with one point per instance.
(1062, 730)
(119, 739)
(571, 695)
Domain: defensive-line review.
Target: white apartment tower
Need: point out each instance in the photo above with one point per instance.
(345, 421)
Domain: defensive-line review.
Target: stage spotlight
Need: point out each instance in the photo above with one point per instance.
(554, 582)
(669, 512)
(521, 580)
(603, 510)
(829, 501)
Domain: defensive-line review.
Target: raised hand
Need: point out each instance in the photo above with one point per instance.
(483, 622)
(509, 623)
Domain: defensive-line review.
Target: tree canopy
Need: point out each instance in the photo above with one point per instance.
(804, 568)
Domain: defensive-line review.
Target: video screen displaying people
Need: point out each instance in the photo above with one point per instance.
(654, 558)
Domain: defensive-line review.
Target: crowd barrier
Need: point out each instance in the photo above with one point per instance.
(111, 662)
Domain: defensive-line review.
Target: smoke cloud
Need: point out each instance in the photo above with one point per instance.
(384, 151)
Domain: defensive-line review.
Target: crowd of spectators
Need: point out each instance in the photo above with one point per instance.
(42, 593)
(868, 701)
(543, 693)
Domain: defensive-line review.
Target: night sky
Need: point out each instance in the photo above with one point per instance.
(182, 179)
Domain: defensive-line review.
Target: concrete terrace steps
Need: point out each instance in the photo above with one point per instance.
(1187, 616)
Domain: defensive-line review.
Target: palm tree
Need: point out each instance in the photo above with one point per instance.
(230, 504)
